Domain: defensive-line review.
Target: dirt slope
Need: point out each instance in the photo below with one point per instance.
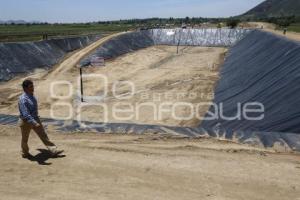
(145, 167)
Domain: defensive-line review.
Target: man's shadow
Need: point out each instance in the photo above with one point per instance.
(44, 155)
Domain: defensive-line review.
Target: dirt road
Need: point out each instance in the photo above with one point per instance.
(70, 62)
(144, 167)
(271, 28)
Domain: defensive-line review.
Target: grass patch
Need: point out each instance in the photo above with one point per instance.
(29, 32)
(294, 27)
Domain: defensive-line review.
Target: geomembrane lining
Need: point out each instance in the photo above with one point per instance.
(25, 57)
(260, 67)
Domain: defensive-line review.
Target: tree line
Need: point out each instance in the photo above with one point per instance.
(154, 22)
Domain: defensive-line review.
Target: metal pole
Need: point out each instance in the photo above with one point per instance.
(179, 40)
(81, 84)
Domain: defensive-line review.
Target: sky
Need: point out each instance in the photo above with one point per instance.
(101, 10)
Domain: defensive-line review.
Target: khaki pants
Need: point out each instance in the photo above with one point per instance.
(40, 131)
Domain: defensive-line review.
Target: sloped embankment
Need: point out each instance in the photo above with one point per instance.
(262, 68)
(133, 41)
(24, 57)
(120, 45)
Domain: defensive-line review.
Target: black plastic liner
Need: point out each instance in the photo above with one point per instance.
(133, 41)
(262, 68)
(208, 37)
(265, 139)
(25, 57)
(120, 45)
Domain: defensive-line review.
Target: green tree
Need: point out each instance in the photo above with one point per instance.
(232, 23)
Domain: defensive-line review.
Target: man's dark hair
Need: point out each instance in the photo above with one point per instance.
(26, 84)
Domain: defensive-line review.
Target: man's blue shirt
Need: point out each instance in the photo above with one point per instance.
(28, 108)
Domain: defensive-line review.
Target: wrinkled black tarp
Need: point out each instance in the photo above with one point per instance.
(24, 57)
(265, 139)
(261, 68)
(119, 45)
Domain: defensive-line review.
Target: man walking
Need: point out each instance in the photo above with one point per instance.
(29, 119)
